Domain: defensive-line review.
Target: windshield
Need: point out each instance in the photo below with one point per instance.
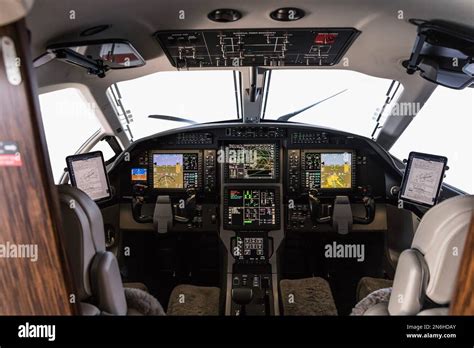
(353, 100)
(354, 110)
(200, 96)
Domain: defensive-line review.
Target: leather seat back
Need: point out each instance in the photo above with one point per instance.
(428, 270)
(95, 271)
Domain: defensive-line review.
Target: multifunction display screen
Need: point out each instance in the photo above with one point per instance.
(250, 208)
(175, 170)
(251, 162)
(327, 170)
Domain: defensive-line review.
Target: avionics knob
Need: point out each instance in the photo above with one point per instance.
(394, 190)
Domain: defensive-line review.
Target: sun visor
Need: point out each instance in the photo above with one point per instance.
(443, 53)
(256, 47)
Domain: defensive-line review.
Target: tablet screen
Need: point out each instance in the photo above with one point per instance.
(423, 178)
(87, 172)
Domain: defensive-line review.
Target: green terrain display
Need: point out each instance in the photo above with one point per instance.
(336, 170)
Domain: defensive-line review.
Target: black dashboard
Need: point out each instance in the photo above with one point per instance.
(263, 177)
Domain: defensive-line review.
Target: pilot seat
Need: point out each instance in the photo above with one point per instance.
(96, 274)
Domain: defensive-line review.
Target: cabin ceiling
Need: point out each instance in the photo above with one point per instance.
(384, 42)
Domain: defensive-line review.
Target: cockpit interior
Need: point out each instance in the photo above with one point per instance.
(269, 158)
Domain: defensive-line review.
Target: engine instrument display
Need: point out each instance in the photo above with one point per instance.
(251, 162)
(175, 170)
(252, 208)
(328, 170)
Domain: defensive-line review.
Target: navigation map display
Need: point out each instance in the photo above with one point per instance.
(251, 161)
(328, 170)
(175, 170)
(251, 207)
(423, 178)
(87, 172)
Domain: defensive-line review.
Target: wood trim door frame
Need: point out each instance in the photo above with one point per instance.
(29, 206)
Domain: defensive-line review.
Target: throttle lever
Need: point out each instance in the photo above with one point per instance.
(137, 204)
(316, 208)
(369, 205)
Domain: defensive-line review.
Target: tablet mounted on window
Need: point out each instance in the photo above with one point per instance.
(423, 178)
(87, 172)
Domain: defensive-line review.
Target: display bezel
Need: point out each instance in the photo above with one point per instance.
(427, 157)
(275, 226)
(171, 152)
(276, 168)
(321, 151)
(82, 157)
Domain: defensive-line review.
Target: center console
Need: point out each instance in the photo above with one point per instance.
(251, 226)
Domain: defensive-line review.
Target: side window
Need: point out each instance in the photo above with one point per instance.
(444, 126)
(107, 151)
(69, 120)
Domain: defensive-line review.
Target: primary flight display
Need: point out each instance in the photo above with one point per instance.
(175, 170)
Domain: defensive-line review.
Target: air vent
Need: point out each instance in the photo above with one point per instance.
(287, 14)
(94, 30)
(224, 15)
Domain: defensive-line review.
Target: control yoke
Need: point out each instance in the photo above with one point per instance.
(165, 213)
(340, 209)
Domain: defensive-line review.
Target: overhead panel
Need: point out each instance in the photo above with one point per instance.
(256, 47)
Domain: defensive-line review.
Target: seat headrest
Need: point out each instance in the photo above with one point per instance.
(440, 237)
(83, 234)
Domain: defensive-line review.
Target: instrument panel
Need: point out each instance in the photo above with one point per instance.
(245, 177)
(321, 169)
(175, 170)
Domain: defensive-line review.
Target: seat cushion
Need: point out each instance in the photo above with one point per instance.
(194, 300)
(136, 285)
(140, 302)
(368, 285)
(309, 296)
(371, 304)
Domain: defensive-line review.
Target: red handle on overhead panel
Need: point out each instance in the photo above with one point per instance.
(325, 38)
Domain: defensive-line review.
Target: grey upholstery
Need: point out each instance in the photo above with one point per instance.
(107, 284)
(83, 235)
(370, 301)
(88, 309)
(368, 285)
(409, 284)
(435, 311)
(379, 309)
(428, 270)
(95, 270)
(142, 303)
